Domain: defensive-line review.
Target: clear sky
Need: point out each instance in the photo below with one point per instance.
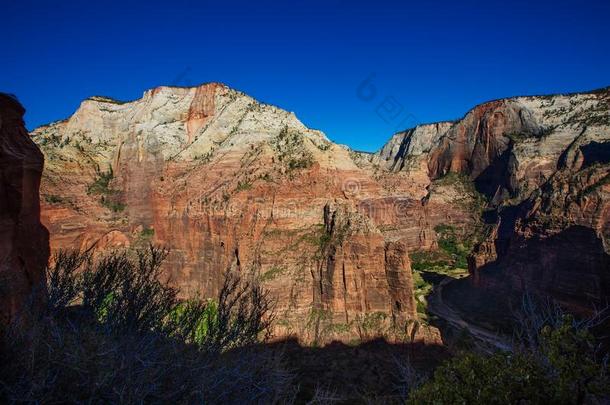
(420, 61)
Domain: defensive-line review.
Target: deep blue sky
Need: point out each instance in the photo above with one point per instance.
(434, 59)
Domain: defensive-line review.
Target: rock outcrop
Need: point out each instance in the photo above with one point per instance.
(544, 165)
(548, 181)
(556, 242)
(24, 243)
(227, 182)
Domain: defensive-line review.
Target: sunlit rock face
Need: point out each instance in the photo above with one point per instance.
(226, 182)
(24, 243)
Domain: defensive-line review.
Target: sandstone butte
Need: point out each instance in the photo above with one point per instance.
(226, 182)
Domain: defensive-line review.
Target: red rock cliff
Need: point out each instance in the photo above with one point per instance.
(24, 242)
(227, 182)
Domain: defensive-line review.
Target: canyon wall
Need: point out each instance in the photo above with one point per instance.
(556, 241)
(226, 182)
(24, 242)
(543, 165)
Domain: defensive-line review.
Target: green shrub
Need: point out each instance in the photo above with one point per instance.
(319, 324)
(479, 379)
(243, 185)
(101, 183)
(323, 146)
(53, 199)
(291, 151)
(470, 199)
(426, 260)
(272, 273)
(457, 246)
(202, 315)
(266, 177)
(112, 205)
(147, 233)
(105, 99)
(370, 324)
(573, 362)
(555, 360)
(109, 197)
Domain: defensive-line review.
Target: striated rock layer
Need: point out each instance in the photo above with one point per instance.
(552, 234)
(24, 242)
(543, 164)
(226, 182)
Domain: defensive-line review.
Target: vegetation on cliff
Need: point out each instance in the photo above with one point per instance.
(291, 151)
(109, 197)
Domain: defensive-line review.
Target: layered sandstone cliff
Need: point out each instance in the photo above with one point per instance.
(24, 244)
(543, 162)
(227, 182)
(557, 240)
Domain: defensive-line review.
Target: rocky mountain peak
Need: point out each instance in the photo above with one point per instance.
(179, 123)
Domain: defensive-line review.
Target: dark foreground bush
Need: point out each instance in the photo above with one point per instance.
(555, 360)
(115, 332)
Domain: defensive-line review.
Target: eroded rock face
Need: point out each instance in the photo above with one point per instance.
(24, 243)
(543, 163)
(362, 279)
(227, 182)
(553, 237)
(557, 241)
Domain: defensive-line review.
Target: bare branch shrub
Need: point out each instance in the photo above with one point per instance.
(64, 277)
(63, 362)
(250, 375)
(325, 395)
(129, 294)
(245, 315)
(409, 378)
(115, 332)
(537, 313)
